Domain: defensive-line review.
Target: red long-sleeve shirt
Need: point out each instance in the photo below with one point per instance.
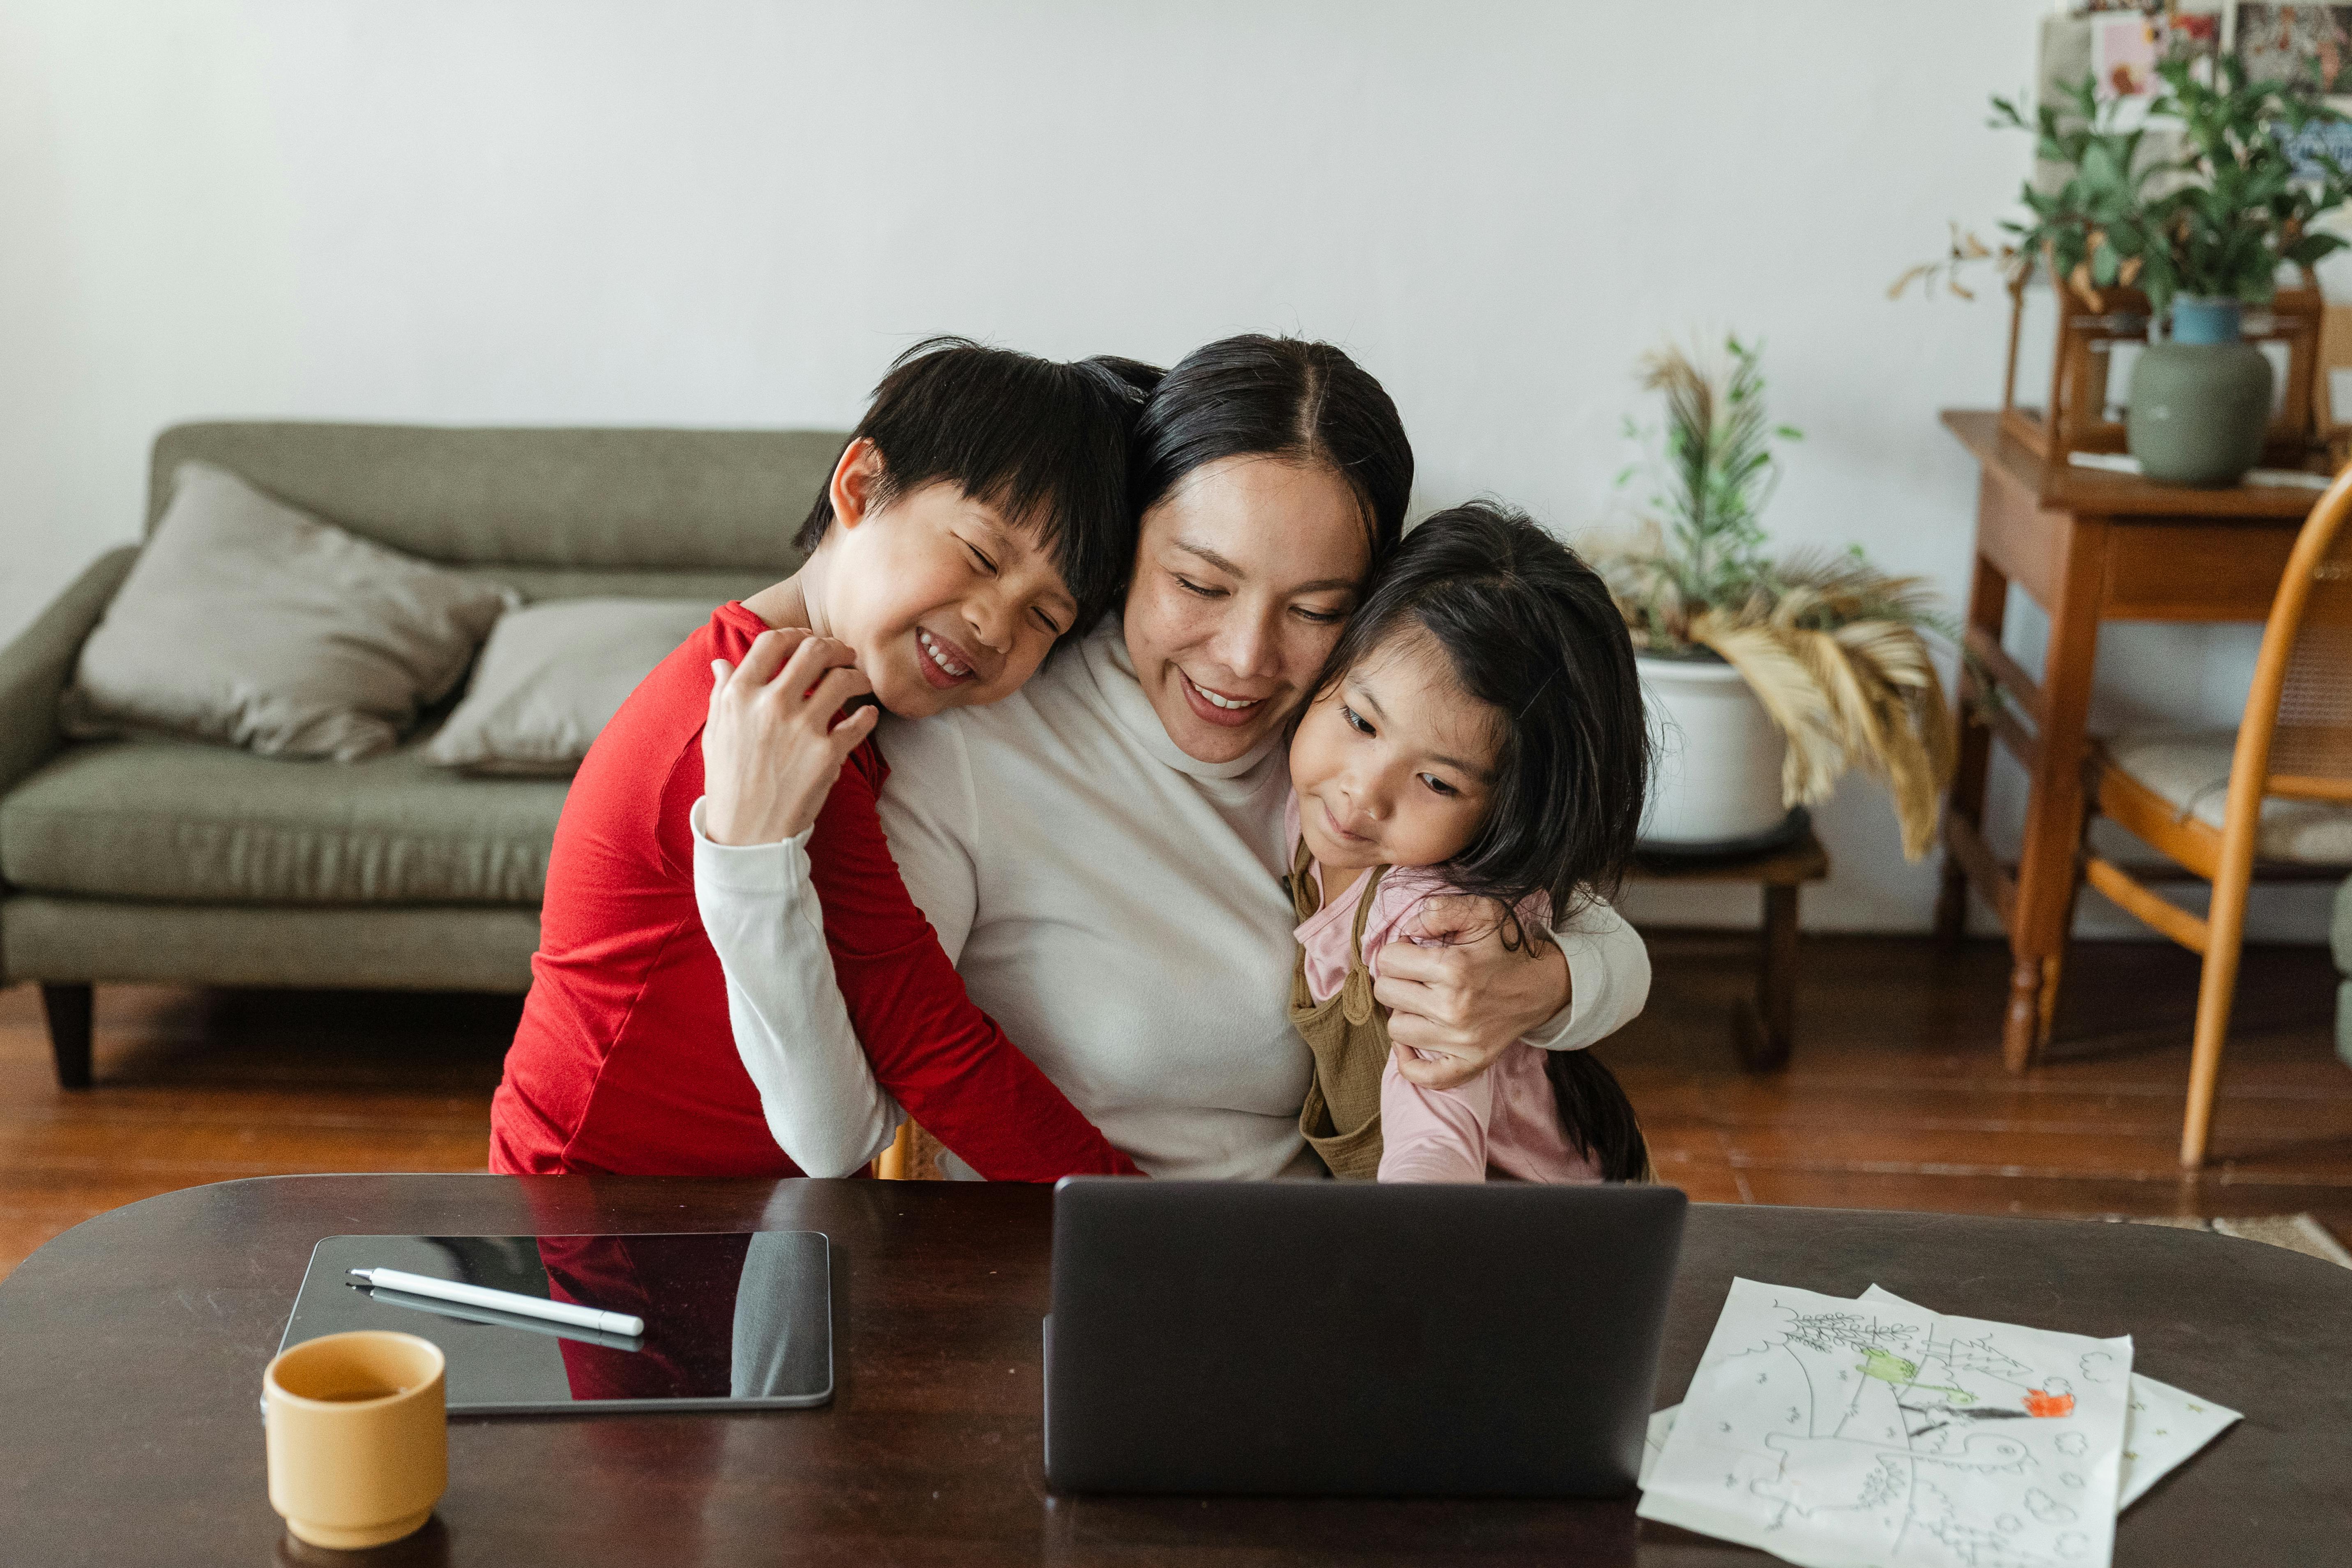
(624, 1061)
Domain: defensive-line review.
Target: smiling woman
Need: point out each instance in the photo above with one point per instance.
(1273, 477)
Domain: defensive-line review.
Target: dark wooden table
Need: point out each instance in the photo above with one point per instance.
(1763, 1029)
(131, 1349)
(2088, 547)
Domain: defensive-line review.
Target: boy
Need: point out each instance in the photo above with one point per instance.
(978, 514)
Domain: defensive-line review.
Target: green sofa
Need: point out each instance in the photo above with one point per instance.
(153, 860)
(2340, 937)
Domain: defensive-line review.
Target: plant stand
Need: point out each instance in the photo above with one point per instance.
(1762, 1029)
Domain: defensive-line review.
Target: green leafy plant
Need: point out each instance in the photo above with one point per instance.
(1831, 647)
(2217, 220)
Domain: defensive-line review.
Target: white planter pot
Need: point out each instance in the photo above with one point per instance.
(1718, 755)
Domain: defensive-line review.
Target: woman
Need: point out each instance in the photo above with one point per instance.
(1101, 853)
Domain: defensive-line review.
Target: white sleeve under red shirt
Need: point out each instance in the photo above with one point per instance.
(625, 1059)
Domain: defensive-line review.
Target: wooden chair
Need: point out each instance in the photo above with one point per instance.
(893, 1163)
(2279, 791)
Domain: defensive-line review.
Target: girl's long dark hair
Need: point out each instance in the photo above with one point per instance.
(1531, 631)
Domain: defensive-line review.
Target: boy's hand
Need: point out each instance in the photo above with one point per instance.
(1461, 1000)
(770, 750)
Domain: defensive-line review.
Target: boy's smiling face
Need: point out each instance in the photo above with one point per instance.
(947, 603)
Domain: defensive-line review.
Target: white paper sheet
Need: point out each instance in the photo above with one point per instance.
(1845, 1434)
(2162, 1428)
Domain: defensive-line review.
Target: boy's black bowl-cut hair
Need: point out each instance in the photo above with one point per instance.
(1044, 443)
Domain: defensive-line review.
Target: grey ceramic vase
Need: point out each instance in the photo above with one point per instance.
(2200, 401)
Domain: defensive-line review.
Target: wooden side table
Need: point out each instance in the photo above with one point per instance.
(2088, 547)
(1762, 1029)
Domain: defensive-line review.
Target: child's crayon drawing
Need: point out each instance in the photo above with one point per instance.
(1846, 1434)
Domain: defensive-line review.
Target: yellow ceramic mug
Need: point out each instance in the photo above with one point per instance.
(359, 1437)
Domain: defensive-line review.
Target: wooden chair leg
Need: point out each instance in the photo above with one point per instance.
(2225, 934)
(2053, 968)
(69, 1009)
(892, 1164)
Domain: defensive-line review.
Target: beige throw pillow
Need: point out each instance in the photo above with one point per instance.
(553, 676)
(249, 621)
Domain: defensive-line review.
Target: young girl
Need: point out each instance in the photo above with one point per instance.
(1478, 731)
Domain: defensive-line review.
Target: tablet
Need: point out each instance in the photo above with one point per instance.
(734, 1320)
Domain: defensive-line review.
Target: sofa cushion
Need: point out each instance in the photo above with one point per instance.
(635, 499)
(552, 675)
(174, 820)
(249, 622)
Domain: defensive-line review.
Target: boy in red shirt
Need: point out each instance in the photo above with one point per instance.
(978, 514)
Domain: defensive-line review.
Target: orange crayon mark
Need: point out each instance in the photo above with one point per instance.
(2040, 1404)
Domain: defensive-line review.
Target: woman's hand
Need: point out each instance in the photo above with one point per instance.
(770, 750)
(1461, 1002)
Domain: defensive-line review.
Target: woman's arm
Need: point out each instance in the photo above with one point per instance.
(1609, 979)
(1463, 1001)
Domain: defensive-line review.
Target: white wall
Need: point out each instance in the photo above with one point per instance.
(729, 212)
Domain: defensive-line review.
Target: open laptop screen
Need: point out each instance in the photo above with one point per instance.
(1352, 1339)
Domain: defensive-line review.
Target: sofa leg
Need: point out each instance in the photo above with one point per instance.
(69, 1007)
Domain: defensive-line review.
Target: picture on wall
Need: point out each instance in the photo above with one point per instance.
(2123, 54)
(2296, 43)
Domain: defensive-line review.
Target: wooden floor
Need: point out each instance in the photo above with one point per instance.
(1895, 1098)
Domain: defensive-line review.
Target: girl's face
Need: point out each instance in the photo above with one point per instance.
(1395, 765)
(1243, 575)
(947, 603)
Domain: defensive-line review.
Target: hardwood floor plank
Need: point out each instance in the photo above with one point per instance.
(1895, 1097)
(2029, 1152)
(2088, 1197)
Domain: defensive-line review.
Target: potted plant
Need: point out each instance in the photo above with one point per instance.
(2199, 217)
(1766, 679)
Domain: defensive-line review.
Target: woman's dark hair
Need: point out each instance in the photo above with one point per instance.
(1046, 444)
(1257, 396)
(1529, 629)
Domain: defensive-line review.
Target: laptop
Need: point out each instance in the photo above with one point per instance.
(1348, 1339)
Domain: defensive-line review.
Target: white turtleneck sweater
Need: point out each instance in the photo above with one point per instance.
(1115, 904)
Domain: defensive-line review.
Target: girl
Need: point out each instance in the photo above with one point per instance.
(1478, 731)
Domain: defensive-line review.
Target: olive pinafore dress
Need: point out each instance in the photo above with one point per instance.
(1349, 1036)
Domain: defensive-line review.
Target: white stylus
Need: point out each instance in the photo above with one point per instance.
(579, 1317)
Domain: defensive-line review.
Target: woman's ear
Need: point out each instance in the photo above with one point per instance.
(856, 486)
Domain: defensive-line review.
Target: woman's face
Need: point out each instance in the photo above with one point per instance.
(1244, 574)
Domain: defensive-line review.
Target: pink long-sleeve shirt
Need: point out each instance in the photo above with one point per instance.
(1505, 1122)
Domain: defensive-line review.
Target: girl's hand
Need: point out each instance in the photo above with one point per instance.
(1461, 1003)
(770, 748)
